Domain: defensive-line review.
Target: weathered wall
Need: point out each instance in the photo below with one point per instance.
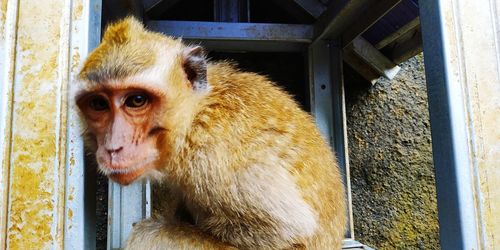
(41, 188)
(392, 173)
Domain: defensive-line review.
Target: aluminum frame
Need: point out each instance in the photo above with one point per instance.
(461, 49)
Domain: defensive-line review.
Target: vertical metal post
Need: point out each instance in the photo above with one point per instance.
(328, 107)
(449, 124)
(340, 125)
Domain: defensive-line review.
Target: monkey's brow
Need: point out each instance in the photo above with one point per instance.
(110, 88)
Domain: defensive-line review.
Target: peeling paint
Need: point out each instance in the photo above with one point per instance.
(70, 214)
(78, 10)
(34, 188)
(3, 17)
(76, 60)
(40, 41)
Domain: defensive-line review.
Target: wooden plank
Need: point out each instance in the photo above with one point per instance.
(362, 67)
(339, 16)
(407, 49)
(313, 7)
(412, 25)
(375, 58)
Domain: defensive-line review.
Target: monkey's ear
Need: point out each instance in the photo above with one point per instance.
(195, 66)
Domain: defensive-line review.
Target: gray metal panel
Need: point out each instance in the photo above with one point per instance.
(449, 135)
(127, 205)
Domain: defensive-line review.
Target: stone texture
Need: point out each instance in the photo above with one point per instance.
(392, 173)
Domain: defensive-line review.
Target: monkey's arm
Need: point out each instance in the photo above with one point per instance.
(154, 234)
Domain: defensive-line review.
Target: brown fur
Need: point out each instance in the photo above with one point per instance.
(243, 159)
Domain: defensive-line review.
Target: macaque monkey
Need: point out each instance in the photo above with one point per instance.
(247, 167)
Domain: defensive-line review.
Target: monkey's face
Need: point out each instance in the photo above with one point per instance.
(121, 121)
(138, 93)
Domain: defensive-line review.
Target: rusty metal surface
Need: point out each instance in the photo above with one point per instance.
(40, 43)
(34, 190)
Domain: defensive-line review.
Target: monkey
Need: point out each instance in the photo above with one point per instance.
(246, 165)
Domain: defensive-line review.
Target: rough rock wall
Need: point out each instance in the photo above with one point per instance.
(392, 173)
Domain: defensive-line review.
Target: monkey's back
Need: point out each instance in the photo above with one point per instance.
(263, 126)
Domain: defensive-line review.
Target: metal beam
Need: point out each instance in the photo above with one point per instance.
(326, 99)
(234, 31)
(370, 17)
(340, 123)
(239, 36)
(445, 53)
(338, 17)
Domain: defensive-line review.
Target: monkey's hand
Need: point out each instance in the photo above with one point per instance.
(155, 234)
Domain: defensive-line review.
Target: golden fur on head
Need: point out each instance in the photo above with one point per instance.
(127, 48)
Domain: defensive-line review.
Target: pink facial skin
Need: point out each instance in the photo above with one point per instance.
(121, 122)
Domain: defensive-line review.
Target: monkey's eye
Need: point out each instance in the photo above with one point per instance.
(98, 103)
(136, 100)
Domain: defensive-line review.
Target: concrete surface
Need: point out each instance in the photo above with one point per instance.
(392, 174)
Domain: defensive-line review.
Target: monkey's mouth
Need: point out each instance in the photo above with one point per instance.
(126, 174)
(127, 178)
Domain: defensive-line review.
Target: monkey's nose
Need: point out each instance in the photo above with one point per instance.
(114, 150)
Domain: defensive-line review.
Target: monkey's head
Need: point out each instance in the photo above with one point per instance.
(136, 89)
